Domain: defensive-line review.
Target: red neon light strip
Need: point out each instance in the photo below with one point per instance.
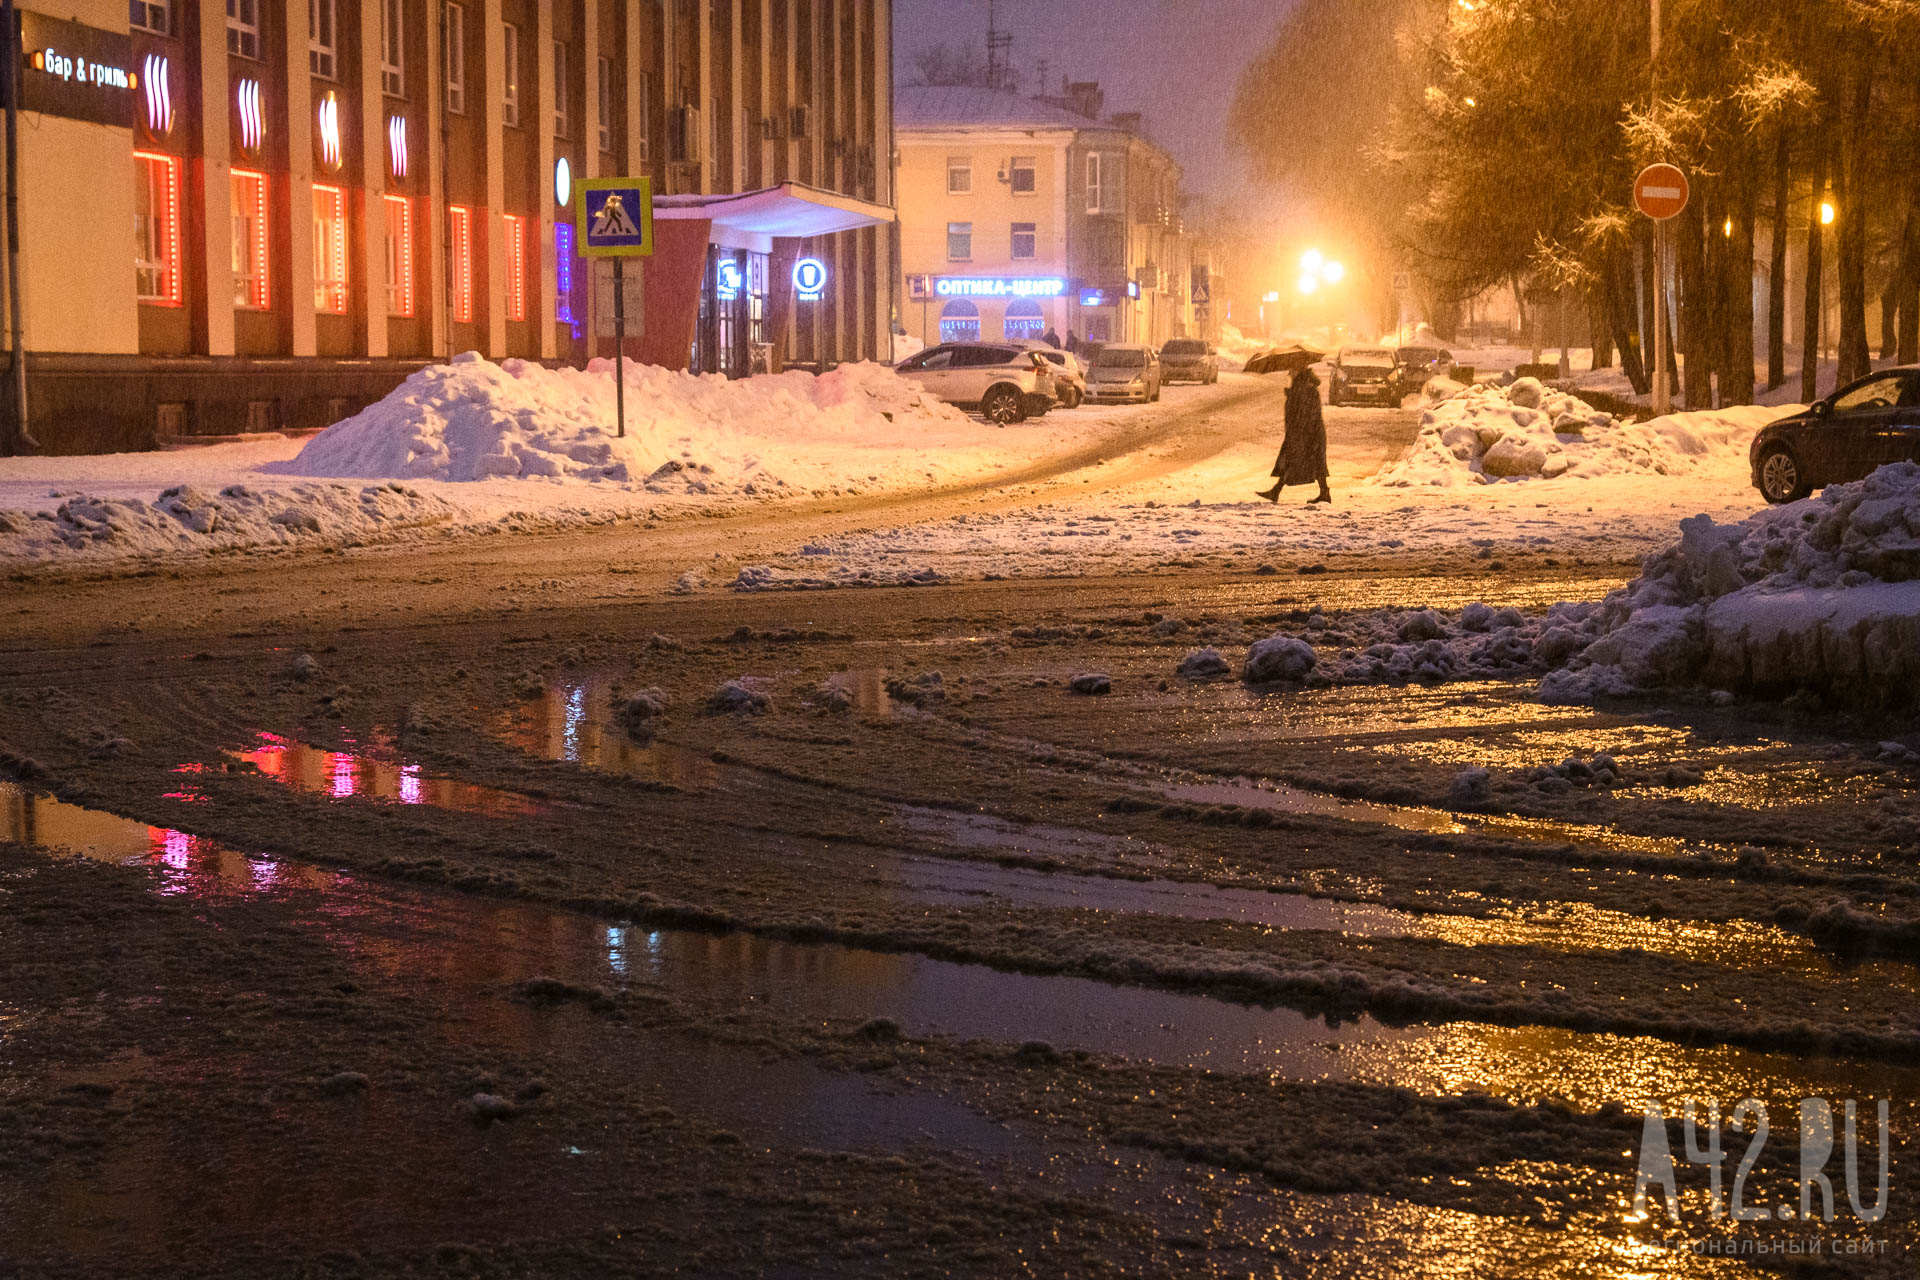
(460, 229)
(516, 266)
(170, 217)
(400, 225)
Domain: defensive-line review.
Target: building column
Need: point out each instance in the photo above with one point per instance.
(216, 183)
(888, 283)
(546, 154)
(536, 54)
(373, 183)
(429, 130)
(636, 148)
(299, 126)
(703, 59)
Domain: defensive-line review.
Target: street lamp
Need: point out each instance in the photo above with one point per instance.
(1309, 283)
(1826, 213)
(1333, 273)
(1311, 261)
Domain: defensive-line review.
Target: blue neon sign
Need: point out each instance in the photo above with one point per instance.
(999, 287)
(810, 279)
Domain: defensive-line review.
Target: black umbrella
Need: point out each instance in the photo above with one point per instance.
(1285, 358)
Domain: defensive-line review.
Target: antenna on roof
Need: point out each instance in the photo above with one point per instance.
(999, 51)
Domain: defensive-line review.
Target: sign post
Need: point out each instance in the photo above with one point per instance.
(616, 221)
(1661, 193)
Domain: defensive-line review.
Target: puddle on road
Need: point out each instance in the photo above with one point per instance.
(343, 775)
(575, 721)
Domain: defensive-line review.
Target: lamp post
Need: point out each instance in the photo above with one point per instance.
(1662, 391)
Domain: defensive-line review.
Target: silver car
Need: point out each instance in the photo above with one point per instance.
(1188, 360)
(1069, 375)
(1124, 373)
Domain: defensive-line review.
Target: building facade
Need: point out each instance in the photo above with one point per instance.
(1020, 216)
(326, 194)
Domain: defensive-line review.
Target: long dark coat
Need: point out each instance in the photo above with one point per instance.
(1303, 454)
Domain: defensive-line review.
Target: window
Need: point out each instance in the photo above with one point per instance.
(563, 274)
(959, 322)
(156, 228)
(514, 228)
(959, 175)
(399, 256)
(643, 85)
(249, 201)
(605, 105)
(510, 87)
(322, 40)
(559, 89)
(1881, 393)
(460, 261)
(1024, 321)
(959, 242)
(393, 47)
(151, 15)
(243, 27)
(1020, 175)
(1023, 240)
(1095, 185)
(329, 250)
(457, 59)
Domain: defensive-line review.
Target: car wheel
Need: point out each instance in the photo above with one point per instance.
(1075, 399)
(1156, 393)
(1780, 476)
(1002, 407)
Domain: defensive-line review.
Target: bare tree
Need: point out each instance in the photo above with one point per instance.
(950, 64)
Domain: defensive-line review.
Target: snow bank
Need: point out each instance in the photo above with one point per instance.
(185, 520)
(1235, 347)
(472, 420)
(1527, 431)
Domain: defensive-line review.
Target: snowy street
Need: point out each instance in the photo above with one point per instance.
(1224, 876)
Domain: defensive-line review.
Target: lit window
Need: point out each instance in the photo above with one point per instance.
(1095, 184)
(321, 38)
(460, 252)
(515, 230)
(329, 250)
(959, 175)
(510, 86)
(151, 15)
(1024, 321)
(559, 89)
(393, 47)
(1020, 174)
(1023, 239)
(243, 27)
(605, 104)
(250, 285)
(156, 228)
(399, 256)
(563, 272)
(959, 241)
(959, 322)
(457, 59)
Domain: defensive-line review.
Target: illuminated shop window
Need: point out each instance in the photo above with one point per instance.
(563, 273)
(460, 252)
(156, 228)
(151, 15)
(1023, 322)
(329, 250)
(515, 231)
(243, 27)
(399, 256)
(959, 322)
(251, 288)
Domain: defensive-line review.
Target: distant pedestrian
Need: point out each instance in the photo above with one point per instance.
(1303, 454)
(1073, 342)
(1051, 337)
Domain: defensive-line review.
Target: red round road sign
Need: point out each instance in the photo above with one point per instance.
(1660, 191)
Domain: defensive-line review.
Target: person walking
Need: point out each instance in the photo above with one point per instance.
(1052, 338)
(1303, 454)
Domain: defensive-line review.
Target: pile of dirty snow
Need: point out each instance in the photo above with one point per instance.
(1527, 431)
(1235, 347)
(472, 419)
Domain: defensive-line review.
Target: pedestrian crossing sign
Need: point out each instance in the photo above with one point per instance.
(616, 218)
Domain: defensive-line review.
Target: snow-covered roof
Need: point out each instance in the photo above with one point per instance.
(961, 106)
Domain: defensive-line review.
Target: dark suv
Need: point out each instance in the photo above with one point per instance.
(1864, 425)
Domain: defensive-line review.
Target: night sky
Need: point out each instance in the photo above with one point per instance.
(1177, 61)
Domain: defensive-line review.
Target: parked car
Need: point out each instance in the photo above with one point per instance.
(1188, 360)
(1362, 374)
(1125, 372)
(1005, 382)
(1069, 375)
(1418, 364)
(1866, 424)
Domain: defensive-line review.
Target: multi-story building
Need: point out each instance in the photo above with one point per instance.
(327, 194)
(1023, 215)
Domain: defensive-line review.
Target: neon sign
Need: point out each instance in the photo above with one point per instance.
(71, 68)
(253, 115)
(397, 145)
(563, 181)
(330, 129)
(999, 287)
(159, 97)
(810, 279)
(728, 280)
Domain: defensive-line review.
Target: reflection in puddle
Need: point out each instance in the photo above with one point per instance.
(575, 721)
(343, 775)
(187, 864)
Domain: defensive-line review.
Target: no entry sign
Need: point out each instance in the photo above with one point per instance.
(1660, 191)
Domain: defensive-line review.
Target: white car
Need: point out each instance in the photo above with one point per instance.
(1069, 375)
(1005, 382)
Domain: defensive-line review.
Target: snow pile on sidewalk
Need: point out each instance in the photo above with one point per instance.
(1487, 434)
(185, 520)
(1235, 347)
(472, 419)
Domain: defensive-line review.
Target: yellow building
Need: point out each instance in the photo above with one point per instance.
(1022, 216)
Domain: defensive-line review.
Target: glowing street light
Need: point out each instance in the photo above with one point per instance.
(1826, 213)
(1333, 273)
(1309, 283)
(1272, 295)
(1311, 261)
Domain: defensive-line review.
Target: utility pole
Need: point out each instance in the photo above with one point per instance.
(10, 83)
(1662, 388)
